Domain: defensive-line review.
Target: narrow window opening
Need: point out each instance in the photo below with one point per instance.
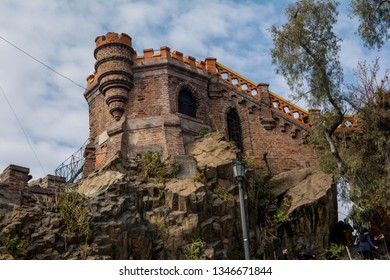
(234, 128)
(187, 104)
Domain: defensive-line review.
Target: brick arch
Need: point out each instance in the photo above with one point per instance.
(244, 123)
(194, 94)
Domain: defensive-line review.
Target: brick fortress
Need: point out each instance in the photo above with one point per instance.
(161, 100)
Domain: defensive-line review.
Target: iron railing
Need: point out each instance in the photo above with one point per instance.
(72, 168)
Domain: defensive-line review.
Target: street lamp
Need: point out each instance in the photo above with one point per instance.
(239, 172)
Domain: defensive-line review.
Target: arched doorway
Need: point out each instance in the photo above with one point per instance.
(234, 128)
(187, 104)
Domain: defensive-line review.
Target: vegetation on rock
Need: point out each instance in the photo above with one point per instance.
(14, 244)
(74, 215)
(306, 52)
(153, 166)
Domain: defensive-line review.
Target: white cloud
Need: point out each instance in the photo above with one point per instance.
(53, 110)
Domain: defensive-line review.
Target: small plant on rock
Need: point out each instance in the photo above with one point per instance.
(193, 250)
(280, 215)
(203, 131)
(15, 245)
(250, 161)
(161, 196)
(74, 215)
(221, 193)
(200, 177)
(334, 252)
(152, 166)
(159, 222)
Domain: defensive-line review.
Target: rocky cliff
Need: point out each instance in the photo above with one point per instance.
(117, 214)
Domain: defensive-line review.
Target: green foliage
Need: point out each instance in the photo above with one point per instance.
(203, 131)
(74, 215)
(221, 193)
(159, 222)
(85, 249)
(249, 161)
(374, 24)
(193, 250)
(306, 52)
(280, 215)
(161, 196)
(368, 151)
(153, 166)
(320, 145)
(232, 144)
(200, 177)
(15, 245)
(334, 251)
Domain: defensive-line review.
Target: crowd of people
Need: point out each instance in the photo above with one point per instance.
(370, 244)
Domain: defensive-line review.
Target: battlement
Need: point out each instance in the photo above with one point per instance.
(243, 84)
(112, 37)
(211, 66)
(259, 91)
(165, 52)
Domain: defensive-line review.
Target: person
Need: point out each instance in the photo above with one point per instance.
(366, 245)
(304, 253)
(347, 232)
(379, 241)
(284, 254)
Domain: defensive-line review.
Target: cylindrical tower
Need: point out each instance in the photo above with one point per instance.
(113, 56)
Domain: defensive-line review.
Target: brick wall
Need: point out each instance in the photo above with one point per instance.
(151, 120)
(16, 188)
(15, 176)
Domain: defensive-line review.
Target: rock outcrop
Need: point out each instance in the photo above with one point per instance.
(124, 216)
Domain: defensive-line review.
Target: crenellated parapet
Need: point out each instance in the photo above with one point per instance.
(114, 74)
(165, 52)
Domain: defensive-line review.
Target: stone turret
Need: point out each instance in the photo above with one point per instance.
(113, 56)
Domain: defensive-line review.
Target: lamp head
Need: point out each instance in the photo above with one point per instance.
(238, 170)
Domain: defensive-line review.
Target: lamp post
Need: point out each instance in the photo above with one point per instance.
(239, 172)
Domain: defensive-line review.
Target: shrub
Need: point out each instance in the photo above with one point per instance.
(74, 215)
(15, 245)
(193, 250)
(334, 252)
(222, 194)
(200, 177)
(203, 131)
(280, 215)
(153, 166)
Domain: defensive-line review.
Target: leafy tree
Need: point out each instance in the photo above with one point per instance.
(306, 53)
(368, 151)
(374, 21)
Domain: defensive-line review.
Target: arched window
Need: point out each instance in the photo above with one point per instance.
(187, 104)
(234, 128)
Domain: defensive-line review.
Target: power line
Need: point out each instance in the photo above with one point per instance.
(23, 130)
(42, 63)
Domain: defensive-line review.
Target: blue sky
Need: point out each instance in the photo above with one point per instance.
(53, 111)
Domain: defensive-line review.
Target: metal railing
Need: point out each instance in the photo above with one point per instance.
(72, 168)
